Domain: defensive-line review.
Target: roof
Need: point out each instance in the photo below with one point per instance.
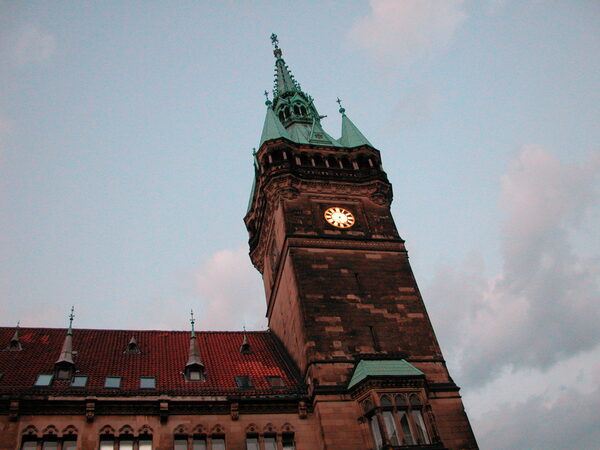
(374, 368)
(351, 135)
(100, 353)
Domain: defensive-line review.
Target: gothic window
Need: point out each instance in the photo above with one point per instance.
(287, 441)
(270, 442)
(199, 443)
(296, 110)
(218, 443)
(180, 443)
(252, 442)
(126, 442)
(398, 421)
(50, 442)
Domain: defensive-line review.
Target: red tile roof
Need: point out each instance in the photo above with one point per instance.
(100, 353)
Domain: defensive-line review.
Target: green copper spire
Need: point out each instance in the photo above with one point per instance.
(292, 114)
(192, 321)
(351, 135)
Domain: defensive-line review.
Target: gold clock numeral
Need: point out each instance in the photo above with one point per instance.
(339, 217)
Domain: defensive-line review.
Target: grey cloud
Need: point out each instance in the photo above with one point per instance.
(571, 421)
(545, 303)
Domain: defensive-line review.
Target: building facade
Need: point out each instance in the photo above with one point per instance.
(350, 360)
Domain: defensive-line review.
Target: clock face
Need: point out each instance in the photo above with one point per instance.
(339, 217)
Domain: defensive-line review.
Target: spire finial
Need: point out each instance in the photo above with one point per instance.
(192, 321)
(342, 109)
(71, 317)
(267, 102)
(275, 42)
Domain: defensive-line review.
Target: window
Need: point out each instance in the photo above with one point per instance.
(43, 380)
(107, 443)
(63, 373)
(112, 382)
(270, 443)
(148, 382)
(50, 442)
(252, 443)
(79, 381)
(287, 440)
(69, 445)
(243, 381)
(125, 443)
(218, 443)
(180, 443)
(400, 422)
(275, 382)
(199, 443)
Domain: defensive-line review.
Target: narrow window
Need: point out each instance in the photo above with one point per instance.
(49, 445)
(126, 443)
(252, 443)
(390, 427)
(180, 443)
(148, 382)
(218, 443)
(79, 381)
(107, 443)
(287, 441)
(69, 445)
(376, 433)
(408, 436)
(199, 443)
(243, 381)
(275, 382)
(29, 445)
(270, 443)
(145, 443)
(421, 429)
(195, 375)
(43, 380)
(112, 382)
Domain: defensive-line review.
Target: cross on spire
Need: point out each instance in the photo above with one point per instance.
(342, 109)
(71, 317)
(267, 102)
(275, 41)
(192, 321)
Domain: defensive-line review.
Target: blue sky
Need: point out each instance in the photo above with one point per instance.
(126, 132)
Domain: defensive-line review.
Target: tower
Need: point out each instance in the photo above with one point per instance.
(340, 291)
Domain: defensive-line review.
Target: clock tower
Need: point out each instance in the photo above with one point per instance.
(340, 292)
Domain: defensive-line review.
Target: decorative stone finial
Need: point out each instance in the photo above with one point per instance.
(267, 102)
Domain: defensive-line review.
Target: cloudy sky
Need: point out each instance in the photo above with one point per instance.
(126, 133)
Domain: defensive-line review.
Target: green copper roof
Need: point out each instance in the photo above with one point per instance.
(351, 136)
(374, 368)
(272, 128)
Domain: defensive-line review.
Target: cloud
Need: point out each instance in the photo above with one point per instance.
(571, 421)
(544, 305)
(31, 44)
(398, 31)
(230, 288)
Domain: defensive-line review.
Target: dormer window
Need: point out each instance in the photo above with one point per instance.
(112, 382)
(148, 382)
(195, 373)
(275, 382)
(43, 380)
(243, 382)
(132, 347)
(63, 373)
